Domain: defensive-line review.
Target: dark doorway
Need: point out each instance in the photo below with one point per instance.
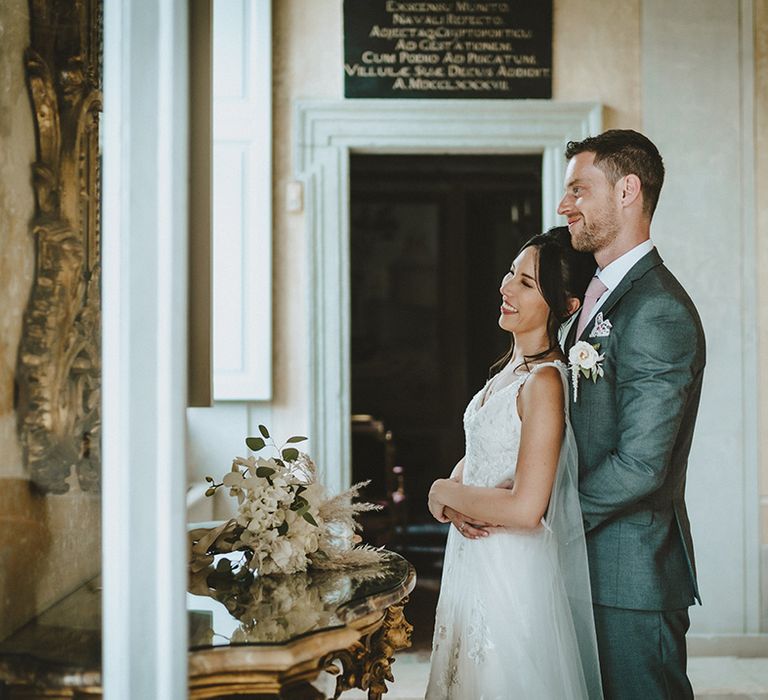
(431, 238)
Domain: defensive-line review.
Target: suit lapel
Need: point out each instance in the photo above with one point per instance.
(647, 262)
(638, 270)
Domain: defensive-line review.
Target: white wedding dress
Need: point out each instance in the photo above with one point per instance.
(514, 618)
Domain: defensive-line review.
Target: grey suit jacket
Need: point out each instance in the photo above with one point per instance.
(634, 428)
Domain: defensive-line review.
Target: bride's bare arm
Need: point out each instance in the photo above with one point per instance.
(541, 406)
(469, 527)
(458, 471)
(437, 509)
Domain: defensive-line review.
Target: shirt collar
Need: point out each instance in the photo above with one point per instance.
(615, 271)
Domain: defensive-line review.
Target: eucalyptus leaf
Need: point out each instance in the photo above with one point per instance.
(283, 528)
(310, 519)
(296, 438)
(255, 443)
(264, 472)
(263, 430)
(300, 503)
(210, 491)
(290, 453)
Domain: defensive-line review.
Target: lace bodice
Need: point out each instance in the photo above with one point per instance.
(492, 429)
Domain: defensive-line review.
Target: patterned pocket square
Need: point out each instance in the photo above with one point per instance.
(602, 327)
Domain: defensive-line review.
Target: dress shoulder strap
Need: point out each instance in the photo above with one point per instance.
(560, 365)
(554, 363)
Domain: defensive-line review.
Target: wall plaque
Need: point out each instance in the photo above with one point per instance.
(409, 48)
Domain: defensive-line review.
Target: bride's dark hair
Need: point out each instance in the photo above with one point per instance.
(563, 273)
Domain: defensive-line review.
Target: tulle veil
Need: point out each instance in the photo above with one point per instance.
(564, 520)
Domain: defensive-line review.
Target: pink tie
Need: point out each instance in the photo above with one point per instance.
(595, 290)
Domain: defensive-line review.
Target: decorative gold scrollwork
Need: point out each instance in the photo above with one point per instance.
(59, 368)
(367, 664)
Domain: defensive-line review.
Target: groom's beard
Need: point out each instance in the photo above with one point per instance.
(598, 234)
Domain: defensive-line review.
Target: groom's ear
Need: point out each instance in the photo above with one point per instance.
(573, 306)
(630, 190)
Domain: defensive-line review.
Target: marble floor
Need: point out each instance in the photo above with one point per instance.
(713, 678)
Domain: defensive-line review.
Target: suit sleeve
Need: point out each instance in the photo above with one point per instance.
(658, 358)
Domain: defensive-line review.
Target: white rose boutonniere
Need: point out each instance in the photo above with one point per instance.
(584, 358)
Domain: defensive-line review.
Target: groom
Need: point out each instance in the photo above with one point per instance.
(634, 424)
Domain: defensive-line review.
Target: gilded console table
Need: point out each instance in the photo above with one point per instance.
(250, 637)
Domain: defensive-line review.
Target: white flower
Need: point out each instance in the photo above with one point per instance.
(234, 480)
(584, 355)
(584, 359)
(281, 553)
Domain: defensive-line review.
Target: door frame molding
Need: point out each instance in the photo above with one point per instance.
(326, 133)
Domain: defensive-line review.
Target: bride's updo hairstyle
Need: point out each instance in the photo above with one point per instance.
(563, 274)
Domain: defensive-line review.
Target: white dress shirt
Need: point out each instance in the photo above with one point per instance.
(612, 274)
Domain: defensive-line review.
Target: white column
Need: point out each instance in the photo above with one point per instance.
(144, 234)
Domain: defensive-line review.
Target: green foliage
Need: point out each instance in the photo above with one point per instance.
(263, 430)
(296, 438)
(290, 454)
(255, 443)
(300, 503)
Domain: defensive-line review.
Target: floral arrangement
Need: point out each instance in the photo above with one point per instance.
(585, 359)
(285, 520)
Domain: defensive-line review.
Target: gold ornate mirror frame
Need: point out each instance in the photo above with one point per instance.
(59, 366)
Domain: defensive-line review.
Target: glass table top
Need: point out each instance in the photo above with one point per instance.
(225, 607)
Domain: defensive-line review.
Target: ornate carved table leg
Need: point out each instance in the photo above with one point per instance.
(367, 664)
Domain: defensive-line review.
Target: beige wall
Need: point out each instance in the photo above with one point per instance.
(306, 69)
(48, 545)
(599, 61)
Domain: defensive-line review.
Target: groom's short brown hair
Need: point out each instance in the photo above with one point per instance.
(619, 152)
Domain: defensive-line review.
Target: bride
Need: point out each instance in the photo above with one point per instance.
(514, 618)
